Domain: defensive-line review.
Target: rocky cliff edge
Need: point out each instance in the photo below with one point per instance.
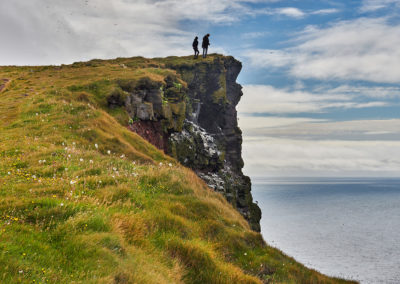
(191, 115)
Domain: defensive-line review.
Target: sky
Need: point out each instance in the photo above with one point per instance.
(321, 79)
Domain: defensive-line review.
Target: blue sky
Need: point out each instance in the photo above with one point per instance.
(321, 78)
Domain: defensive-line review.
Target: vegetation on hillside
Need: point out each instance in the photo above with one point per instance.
(85, 200)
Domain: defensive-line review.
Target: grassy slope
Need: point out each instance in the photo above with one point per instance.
(70, 212)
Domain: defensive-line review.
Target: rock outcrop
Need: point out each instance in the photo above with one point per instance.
(195, 120)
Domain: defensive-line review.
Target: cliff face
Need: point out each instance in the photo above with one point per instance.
(211, 141)
(197, 124)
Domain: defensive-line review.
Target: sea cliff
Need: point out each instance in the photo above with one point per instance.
(192, 117)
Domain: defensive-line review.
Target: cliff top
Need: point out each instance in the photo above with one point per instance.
(83, 199)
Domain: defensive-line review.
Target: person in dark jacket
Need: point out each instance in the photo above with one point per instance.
(196, 47)
(205, 44)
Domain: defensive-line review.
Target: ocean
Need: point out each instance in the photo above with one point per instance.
(348, 228)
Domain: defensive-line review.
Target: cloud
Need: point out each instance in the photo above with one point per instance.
(291, 157)
(254, 35)
(325, 11)
(55, 31)
(363, 49)
(275, 146)
(316, 129)
(381, 92)
(290, 12)
(373, 5)
(271, 100)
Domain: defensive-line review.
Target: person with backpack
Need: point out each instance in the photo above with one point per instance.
(205, 44)
(196, 47)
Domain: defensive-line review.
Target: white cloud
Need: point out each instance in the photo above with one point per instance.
(268, 99)
(325, 11)
(294, 12)
(253, 123)
(314, 129)
(362, 49)
(373, 5)
(253, 35)
(390, 92)
(276, 146)
(291, 157)
(290, 12)
(56, 31)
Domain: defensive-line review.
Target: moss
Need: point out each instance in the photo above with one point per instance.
(117, 98)
(219, 96)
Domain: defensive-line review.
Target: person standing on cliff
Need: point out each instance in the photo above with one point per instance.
(196, 47)
(205, 44)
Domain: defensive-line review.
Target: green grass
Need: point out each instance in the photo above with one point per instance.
(84, 200)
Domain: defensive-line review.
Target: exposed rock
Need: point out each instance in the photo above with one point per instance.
(199, 123)
(213, 95)
(195, 148)
(151, 131)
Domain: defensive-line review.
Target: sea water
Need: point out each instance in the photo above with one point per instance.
(341, 227)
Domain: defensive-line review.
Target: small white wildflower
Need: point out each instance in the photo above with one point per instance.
(69, 155)
(245, 253)
(20, 271)
(44, 161)
(122, 156)
(40, 161)
(66, 148)
(37, 114)
(72, 182)
(114, 169)
(134, 162)
(62, 204)
(73, 143)
(62, 143)
(170, 165)
(91, 161)
(40, 181)
(80, 160)
(33, 176)
(100, 181)
(161, 164)
(9, 173)
(108, 152)
(96, 146)
(66, 169)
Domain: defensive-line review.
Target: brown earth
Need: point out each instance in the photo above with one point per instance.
(152, 132)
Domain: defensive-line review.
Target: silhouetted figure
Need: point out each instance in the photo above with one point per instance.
(205, 44)
(196, 47)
